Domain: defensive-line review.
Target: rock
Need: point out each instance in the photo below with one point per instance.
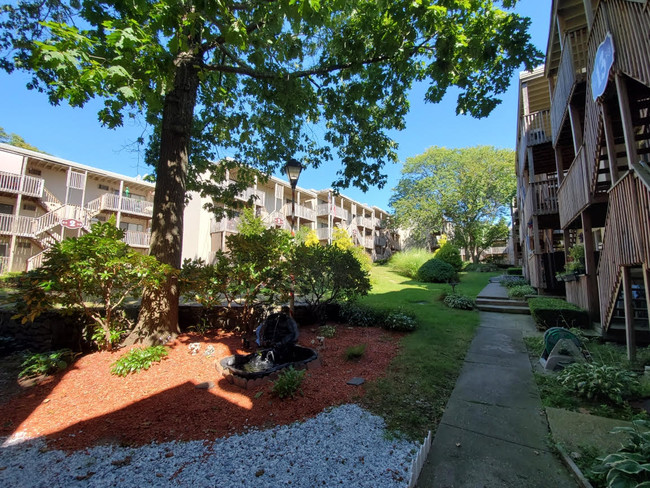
(194, 347)
(206, 385)
(356, 381)
(209, 351)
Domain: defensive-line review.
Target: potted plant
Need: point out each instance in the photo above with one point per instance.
(575, 265)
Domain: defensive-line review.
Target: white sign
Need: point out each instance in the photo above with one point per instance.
(602, 65)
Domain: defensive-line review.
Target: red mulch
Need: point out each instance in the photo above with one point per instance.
(86, 405)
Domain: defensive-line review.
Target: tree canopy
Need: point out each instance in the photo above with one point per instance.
(261, 81)
(15, 140)
(471, 188)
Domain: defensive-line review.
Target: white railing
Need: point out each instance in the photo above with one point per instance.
(128, 205)
(23, 184)
(323, 209)
(301, 212)
(4, 264)
(368, 242)
(224, 225)
(249, 192)
(364, 222)
(16, 225)
(136, 238)
(49, 197)
(35, 261)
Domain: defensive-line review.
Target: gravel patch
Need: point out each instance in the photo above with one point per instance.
(344, 446)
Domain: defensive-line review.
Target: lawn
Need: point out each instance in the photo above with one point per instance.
(413, 395)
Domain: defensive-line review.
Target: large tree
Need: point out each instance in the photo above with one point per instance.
(260, 81)
(471, 188)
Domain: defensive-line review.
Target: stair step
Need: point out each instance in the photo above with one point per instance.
(500, 301)
(524, 310)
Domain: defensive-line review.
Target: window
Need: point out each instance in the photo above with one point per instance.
(3, 250)
(34, 171)
(23, 245)
(130, 226)
(29, 206)
(103, 187)
(5, 208)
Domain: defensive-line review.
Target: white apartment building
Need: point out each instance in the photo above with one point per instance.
(44, 199)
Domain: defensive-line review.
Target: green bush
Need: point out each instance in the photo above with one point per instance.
(46, 363)
(514, 271)
(555, 312)
(630, 465)
(521, 291)
(354, 353)
(599, 382)
(450, 255)
(461, 302)
(288, 383)
(357, 315)
(436, 271)
(138, 359)
(408, 263)
(481, 267)
(510, 281)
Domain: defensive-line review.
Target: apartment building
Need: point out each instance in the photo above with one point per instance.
(583, 154)
(44, 199)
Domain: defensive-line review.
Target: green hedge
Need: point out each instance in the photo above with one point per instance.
(555, 312)
(514, 271)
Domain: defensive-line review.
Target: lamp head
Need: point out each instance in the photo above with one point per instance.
(293, 169)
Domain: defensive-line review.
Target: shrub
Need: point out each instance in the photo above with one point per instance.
(354, 353)
(599, 382)
(46, 363)
(327, 331)
(509, 281)
(288, 383)
(357, 315)
(138, 359)
(436, 271)
(514, 271)
(481, 267)
(521, 291)
(630, 465)
(408, 263)
(450, 255)
(461, 302)
(555, 312)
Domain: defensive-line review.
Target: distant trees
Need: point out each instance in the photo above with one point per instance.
(15, 140)
(469, 187)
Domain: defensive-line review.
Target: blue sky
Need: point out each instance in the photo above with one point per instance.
(76, 135)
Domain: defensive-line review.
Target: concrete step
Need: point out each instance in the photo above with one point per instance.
(500, 301)
(504, 309)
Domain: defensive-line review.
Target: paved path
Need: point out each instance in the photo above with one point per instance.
(494, 432)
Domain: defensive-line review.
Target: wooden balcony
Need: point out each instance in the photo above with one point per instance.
(260, 196)
(137, 239)
(21, 184)
(572, 70)
(323, 233)
(16, 225)
(301, 212)
(573, 194)
(536, 128)
(115, 203)
(224, 225)
(541, 198)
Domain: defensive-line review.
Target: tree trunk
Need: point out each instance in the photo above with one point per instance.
(158, 318)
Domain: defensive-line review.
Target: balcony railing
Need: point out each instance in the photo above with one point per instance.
(301, 212)
(323, 234)
(368, 242)
(573, 194)
(536, 127)
(16, 225)
(21, 184)
(572, 69)
(4, 264)
(364, 222)
(137, 238)
(541, 198)
(127, 205)
(224, 225)
(249, 192)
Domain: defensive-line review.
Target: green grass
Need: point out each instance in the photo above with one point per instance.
(413, 394)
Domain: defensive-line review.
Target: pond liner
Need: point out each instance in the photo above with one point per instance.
(267, 361)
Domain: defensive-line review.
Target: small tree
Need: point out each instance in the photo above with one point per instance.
(256, 270)
(341, 238)
(79, 272)
(312, 238)
(450, 255)
(249, 224)
(324, 274)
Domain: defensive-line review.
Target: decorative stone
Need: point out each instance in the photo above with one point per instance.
(206, 385)
(194, 347)
(209, 351)
(356, 381)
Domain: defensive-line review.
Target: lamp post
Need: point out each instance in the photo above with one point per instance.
(293, 169)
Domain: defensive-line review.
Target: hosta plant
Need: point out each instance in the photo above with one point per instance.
(46, 363)
(599, 382)
(138, 359)
(462, 302)
(630, 465)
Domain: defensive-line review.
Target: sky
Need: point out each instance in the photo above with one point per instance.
(75, 134)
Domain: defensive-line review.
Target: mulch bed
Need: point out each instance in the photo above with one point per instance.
(86, 405)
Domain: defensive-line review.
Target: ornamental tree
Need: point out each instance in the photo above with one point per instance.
(259, 81)
(471, 188)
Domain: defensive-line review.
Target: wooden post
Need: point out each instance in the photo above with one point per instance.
(630, 336)
(609, 142)
(559, 165)
(626, 118)
(576, 128)
(590, 267)
(589, 13)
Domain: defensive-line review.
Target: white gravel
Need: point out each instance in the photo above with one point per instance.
(344, 446)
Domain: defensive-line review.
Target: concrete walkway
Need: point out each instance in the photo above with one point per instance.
(494, 432)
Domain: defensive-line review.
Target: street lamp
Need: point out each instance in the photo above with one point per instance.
(293, 169)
